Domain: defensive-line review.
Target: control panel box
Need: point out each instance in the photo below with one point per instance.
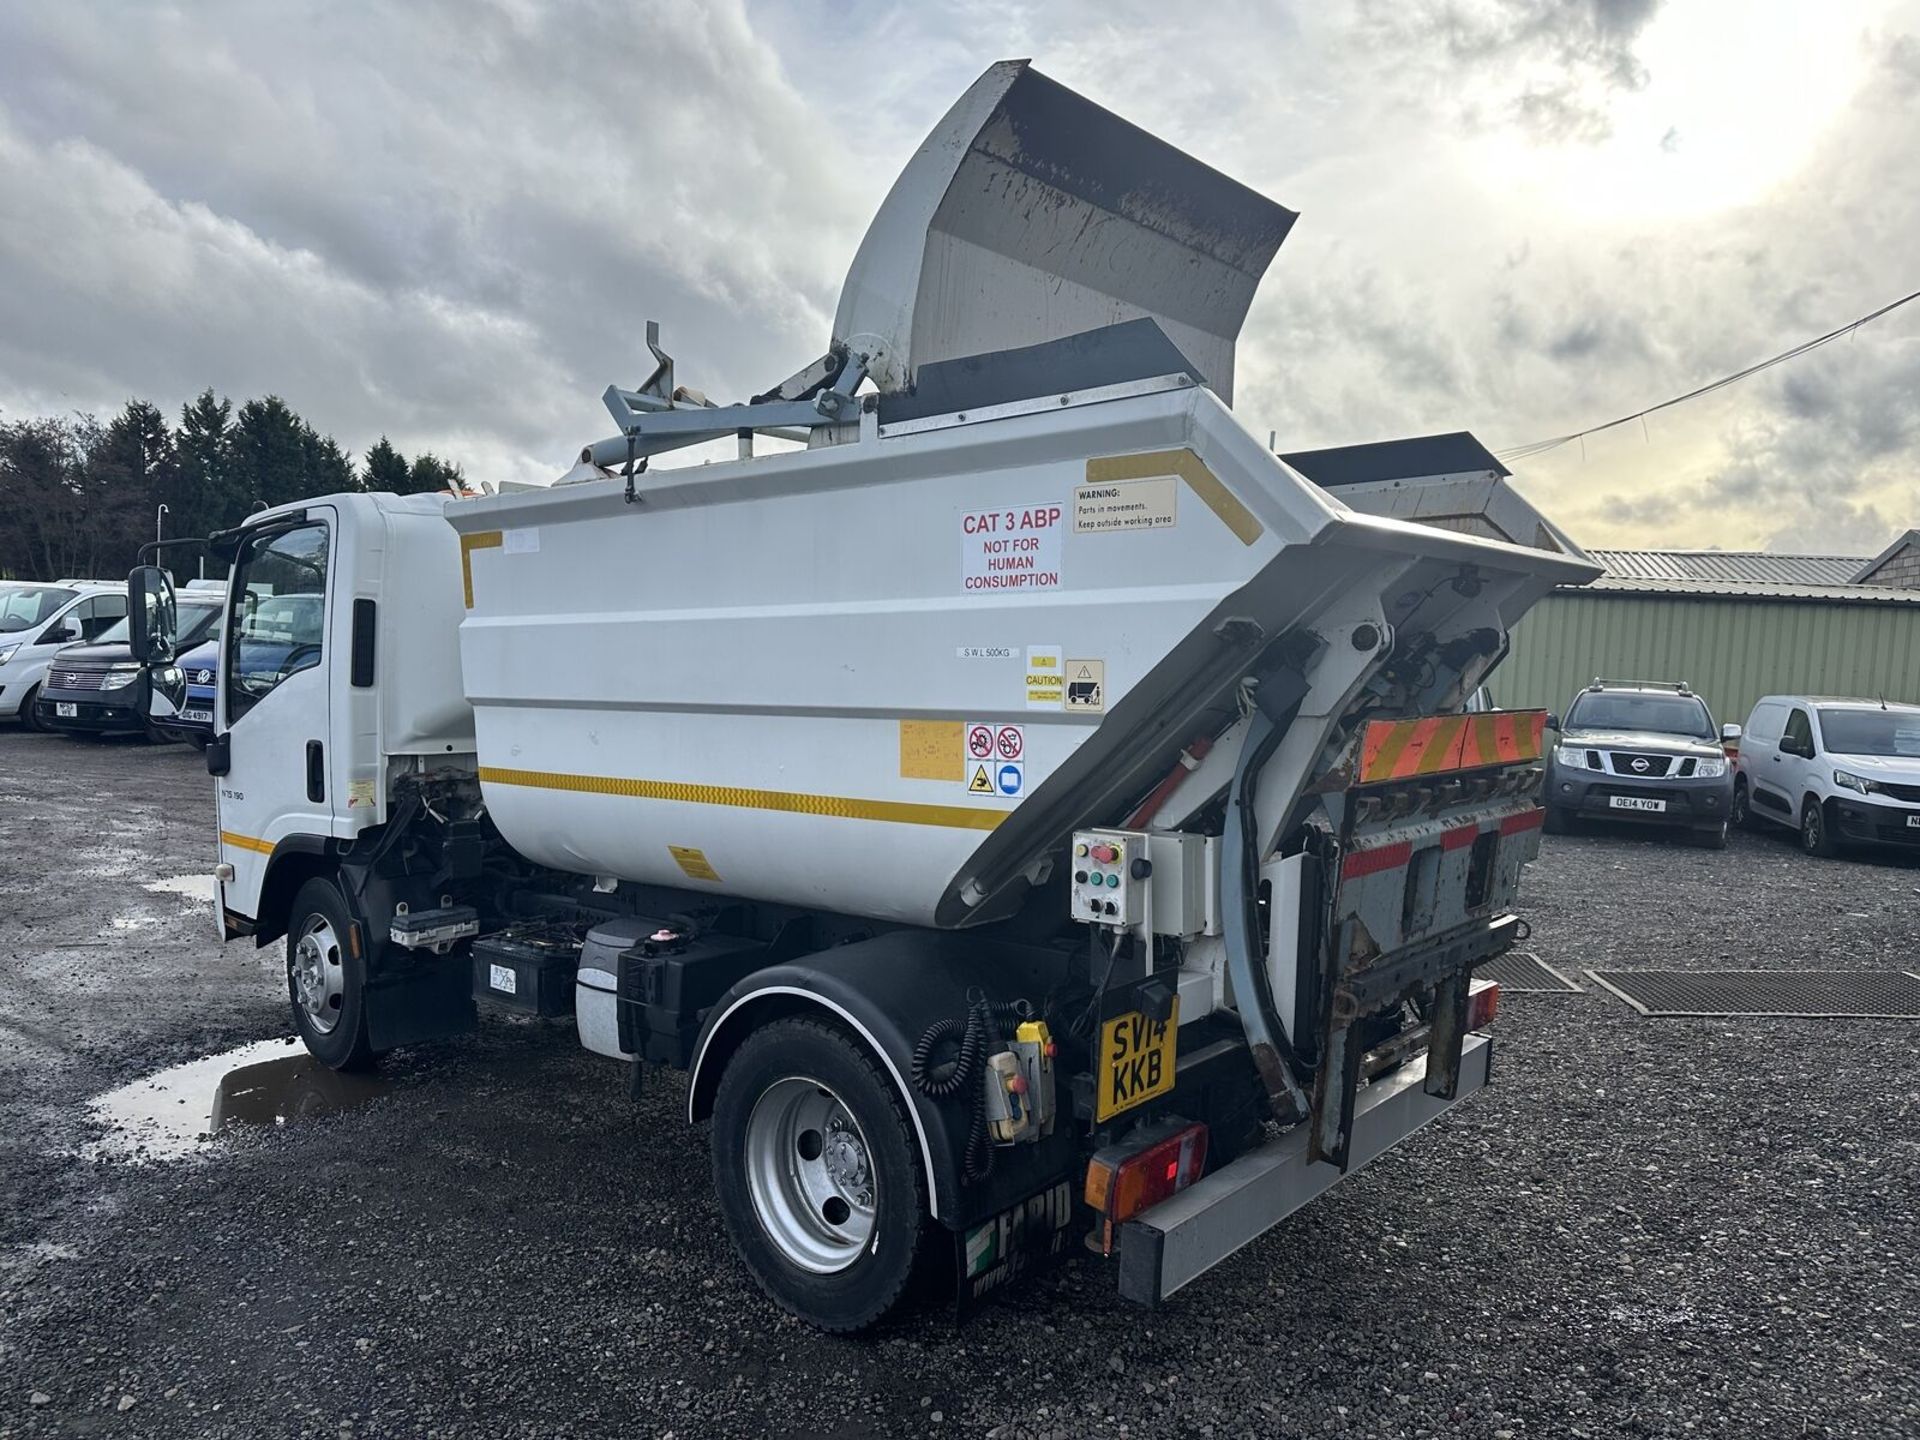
(1110, 874)
(1161, 884)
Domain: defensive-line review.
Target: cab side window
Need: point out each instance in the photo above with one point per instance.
(1764, 724)
(276, 626)
(1799, 736)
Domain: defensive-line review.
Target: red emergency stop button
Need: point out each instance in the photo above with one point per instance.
(1105, 854)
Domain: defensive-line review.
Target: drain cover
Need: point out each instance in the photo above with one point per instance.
(1522, 971)
(1789, 994)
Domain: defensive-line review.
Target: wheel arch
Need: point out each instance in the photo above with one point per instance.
(762, 1005)
(296, 859)
(886, 992)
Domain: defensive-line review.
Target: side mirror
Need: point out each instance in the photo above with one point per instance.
(67, 632)
(1791, 747)
(1553, 721)
(1730, 734)
(153, 618)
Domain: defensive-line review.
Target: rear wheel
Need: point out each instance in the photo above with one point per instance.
(325, 979)
(818, 1175)
(1816, 831)
(1559, 821)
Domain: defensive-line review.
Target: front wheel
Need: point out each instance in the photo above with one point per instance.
(1715, 839)
(326, 980)
(28, 705)
(1558, 821)
(1816, 834)
(818, 1175)
(1741, 811)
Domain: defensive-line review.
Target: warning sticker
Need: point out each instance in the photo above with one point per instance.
(930, 750)
(1016, 549)
(1010, 777)
(1086, 685)
(1046, 678)
(1148, 504)
(979, 741)
(1009, 742)
(694, 863)
(979, 782)
(362, 794)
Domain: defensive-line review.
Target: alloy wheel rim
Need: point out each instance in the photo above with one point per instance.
(319, 980)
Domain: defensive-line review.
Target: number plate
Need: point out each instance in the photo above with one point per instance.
(1136, 1060)
(1634, 802)
(66, 710)
(202, 717)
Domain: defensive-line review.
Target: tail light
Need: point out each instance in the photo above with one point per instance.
(1124, 1180)
(1483, 1003)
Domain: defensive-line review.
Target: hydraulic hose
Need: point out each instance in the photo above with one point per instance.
(945, 1079)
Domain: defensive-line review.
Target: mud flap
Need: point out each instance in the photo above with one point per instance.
(430, 999)
(1023, 1239)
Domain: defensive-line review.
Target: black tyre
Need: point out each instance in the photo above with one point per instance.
(1816, 829)
(325, 979)
(27, 706)
(1558, 821)
(1742, 812)
(818, 1174)
(1715, 839)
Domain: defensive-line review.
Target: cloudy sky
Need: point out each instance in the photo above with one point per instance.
(447, 221)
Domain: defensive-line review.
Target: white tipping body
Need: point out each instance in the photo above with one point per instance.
(760, 680)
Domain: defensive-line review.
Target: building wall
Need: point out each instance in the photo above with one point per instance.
(1730, 651)
(1901, 569)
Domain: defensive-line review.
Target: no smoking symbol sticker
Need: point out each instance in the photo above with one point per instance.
(1009, 742)
(979, 742)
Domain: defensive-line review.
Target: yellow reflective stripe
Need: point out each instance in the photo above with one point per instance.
(246, 842)
(480, 540)
(837, 807)
(1190, 468)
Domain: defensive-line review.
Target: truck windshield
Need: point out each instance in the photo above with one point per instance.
(1871, 732)
(24, 606)
(1627, 710)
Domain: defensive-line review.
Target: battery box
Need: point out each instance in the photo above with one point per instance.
(667, 985)
(532, 974)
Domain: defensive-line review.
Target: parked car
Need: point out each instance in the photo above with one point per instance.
(100, 689)
(36, 621)
(1840, 772)
(1640, 750)
(192, 682)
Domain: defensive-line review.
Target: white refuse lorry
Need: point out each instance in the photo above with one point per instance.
(1033, 815)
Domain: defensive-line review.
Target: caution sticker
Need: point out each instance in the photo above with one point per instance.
(1009, 742)
(979, 782)
(1086, 685)
(979, 741)
(1046, 677)
(694, 863)
(1119, 505)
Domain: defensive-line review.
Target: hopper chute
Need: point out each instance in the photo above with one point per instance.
(1030, 214)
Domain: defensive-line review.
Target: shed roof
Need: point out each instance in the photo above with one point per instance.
(1739, 566)
(1748, 590)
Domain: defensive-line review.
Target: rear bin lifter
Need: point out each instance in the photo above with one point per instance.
(1180, 1239)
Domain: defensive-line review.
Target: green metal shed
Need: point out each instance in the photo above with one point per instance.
(1731, 640)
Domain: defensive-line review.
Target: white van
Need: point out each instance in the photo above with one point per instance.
(36, 620)
(1838, 771)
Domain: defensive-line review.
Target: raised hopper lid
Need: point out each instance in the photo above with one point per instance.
(1031, 214)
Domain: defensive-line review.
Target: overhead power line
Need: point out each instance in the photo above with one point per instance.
(1540, 447)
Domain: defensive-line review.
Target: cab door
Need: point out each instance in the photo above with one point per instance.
(276, 669)
(1793, 764)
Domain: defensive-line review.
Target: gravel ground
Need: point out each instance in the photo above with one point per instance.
(1646, 1228)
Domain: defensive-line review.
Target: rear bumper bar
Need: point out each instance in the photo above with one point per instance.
(1179, 1240)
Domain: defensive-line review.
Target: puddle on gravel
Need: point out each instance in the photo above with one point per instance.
(174, 1112)
(187, 887)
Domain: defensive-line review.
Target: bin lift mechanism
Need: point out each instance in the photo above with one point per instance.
(659, 417)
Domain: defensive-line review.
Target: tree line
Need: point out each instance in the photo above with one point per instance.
(78, 497)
